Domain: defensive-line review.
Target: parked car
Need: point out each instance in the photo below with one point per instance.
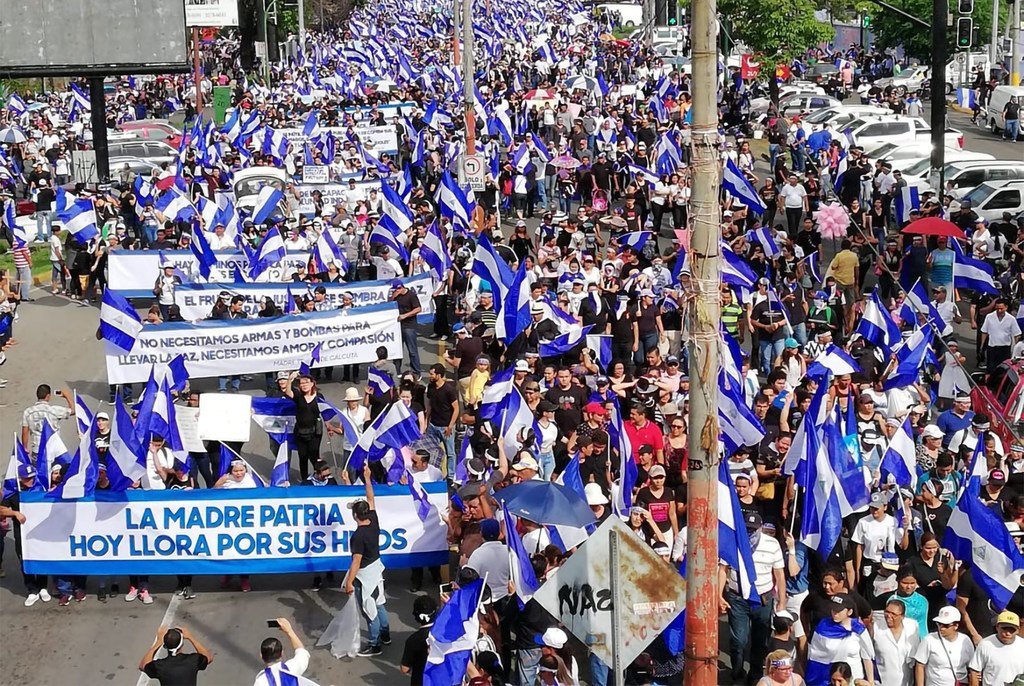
(247, 183)
(908, 80)
(996, 102)
(136, 164)
(991, 199)
(871, 131)
(153, 130)
(1002, 399)
(154, 151)
(820, 73)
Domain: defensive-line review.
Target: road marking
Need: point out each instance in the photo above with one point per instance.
(167, 621)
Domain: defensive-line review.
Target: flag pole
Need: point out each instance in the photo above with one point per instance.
(702, 592)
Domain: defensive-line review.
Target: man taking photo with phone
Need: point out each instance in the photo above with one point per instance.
(177, 669)
(272, 652)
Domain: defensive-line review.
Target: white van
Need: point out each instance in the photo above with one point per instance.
(963, 173)
(996, 102)
(990, 200)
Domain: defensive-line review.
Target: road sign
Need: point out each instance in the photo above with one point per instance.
(474, 171)
(651, 594)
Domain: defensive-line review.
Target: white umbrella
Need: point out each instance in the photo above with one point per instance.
(12, 135)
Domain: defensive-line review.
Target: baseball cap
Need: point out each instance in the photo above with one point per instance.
(879, 499)
(948, 615)
(603, 381)
(594, 494)
(103, 415)
(932, 431)
(595, 408)
(656, 470)
(753, 521)
(997, 476)
(526, 462)
(841, 601)
(1008, 618)
(490, 529)
(890, 561)
(646, 448)
(554, 637)
(522, 366)
(26, 471)
(792, 343)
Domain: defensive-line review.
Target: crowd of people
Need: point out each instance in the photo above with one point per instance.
(587, 141)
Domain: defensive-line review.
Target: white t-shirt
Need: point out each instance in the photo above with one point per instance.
(997, 662)
(56, 249)
(428, 475)
(793, 195)
(937, 666)
(876, 536)
(296, 666)
(491, 559)
(152, 481)
(1000, 331)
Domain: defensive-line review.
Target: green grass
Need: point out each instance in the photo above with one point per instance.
(40, 260)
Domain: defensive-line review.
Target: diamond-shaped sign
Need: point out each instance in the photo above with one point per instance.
(579, 593)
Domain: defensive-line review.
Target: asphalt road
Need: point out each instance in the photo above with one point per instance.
(93, 643)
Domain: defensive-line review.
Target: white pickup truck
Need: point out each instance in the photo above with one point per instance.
(872, 131)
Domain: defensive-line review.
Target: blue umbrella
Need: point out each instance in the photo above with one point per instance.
(545, 502)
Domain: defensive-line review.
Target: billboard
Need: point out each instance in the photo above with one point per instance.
(211, 12)
(89, 38)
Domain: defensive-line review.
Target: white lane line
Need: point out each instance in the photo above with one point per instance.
(168, 621)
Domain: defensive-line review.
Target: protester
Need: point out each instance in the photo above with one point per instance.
(276, 668)
(179, 669)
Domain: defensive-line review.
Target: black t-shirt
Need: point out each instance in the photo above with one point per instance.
(307, 413)
(765, 313)
(570, 404)
(979, 607)
(177, 670)
(415, 655)
(407, 302)
(468, 349)
(365, 540)
(659, 507)
(440, 400)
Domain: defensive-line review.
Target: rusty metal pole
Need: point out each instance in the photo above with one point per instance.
(197, 72)
(704, 316)
(468, 75)
(456, 53)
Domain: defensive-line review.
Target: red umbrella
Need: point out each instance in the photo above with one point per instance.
(934, 226)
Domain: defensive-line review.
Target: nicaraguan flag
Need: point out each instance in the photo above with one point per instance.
(975, 534)
(452, 639)
(419, 495)
(736, 183)
(918, 299)
(16, 104)
(176, 373)
(126, 456)
(619, 440)
(829, 640)
(601, 344)
(175, 206)
(83, 415)
(740, 426)
(270, 252)
(906, 200)
(395, 214)
(267, 203)
(19, 458)
(966, 97)
(521, 158)
(911, 359)
(972, 274)
(523, 576)
(83, 470)
(119, 322)
(515, 415)
(736, 271)
(876, 325)
(766, 238)
(279, 474)
(833, 360)
(79, 219)
(276, 416)
(452, 201)
(393, 429)
(204, 254)
(566, 342)
(492, 269)
(326, 250)
(434, 251)
(80, 97)
(51, 451)
(379, 381)
(497, 393)
(733, 541)
(841, 166)
(899, 460)
(635, 240)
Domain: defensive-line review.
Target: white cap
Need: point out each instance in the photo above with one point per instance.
(948, 615)
(554, 638)
(595, 496)
(932, 431)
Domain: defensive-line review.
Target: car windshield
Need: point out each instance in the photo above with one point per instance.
(252, 186)
(884, 149)
(979, 194)
(821, 116)
(918, 168)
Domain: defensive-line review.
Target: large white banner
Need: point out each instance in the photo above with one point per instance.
(332, 193)
(382, 138)
(258, 531)
(248, 346)
(197, 299)
(133, 273)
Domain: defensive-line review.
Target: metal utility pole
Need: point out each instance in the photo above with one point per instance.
(993, 46)
(197, 71)
(1015, 36)
(456, 55)
(302, 27)
(704, 317)
(940, 10)
(468, 75)
(98, 120)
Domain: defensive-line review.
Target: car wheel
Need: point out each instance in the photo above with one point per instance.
(900, 91)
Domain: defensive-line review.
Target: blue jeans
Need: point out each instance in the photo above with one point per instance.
(377, 625)
(542, 194)
(222, 383)
(648, 341)
(748, 626)
(547, 465)
(449, 446)
(67, 585)
(1012, 129)
(800, 333)
(598, 671)
(44, 225)
(410, 338)
(799, 157)
(774, 150)
(24, 281)
(769, 351)
(527, 665)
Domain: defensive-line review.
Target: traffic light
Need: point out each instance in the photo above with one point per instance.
(964, 32)
(965, 6)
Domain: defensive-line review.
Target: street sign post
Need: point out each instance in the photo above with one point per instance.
(473, 172)
(630, 606)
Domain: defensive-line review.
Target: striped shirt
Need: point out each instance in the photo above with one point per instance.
(488, 317)
(731, 314)
(22, 257)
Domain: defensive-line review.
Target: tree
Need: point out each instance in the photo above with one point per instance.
(892, 30)
(778, 30)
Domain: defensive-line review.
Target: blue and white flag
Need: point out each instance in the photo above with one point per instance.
(515, 311)
(279, 474)
(83, 415)
(976, 535)
(393, 429)
(80, 477)
(733, 541)
(270, 252)
(566, 342)
(739, 425)
(622, 499)
(395, 214)
(876, 325)
(326, 250)
(492, 269)
(910, 360)
(497, 393)
(907, 199)
(157, 415)
(523, 576)
(811, 262)
(379, 381)
(175, 206)
(19, 458)
(419, 496)
(736, 271)
(267, 203)
(126, 456)
(766, 238)
(176, 373)
(734, 181)
(276, 416)
(204, 254)
(841, 166)
(635, 240)
(80, 97)
(119, 322)
(972, 274)
(917, 296)
(434, 251)
(601, 344)
(453, 202)
(833, 360)
(51, 451)
(830, 638)
(900, 458)
(515, 416)
(966, 97)
(16, 104)
(79, 219)
(542, 150)
(452, 639)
